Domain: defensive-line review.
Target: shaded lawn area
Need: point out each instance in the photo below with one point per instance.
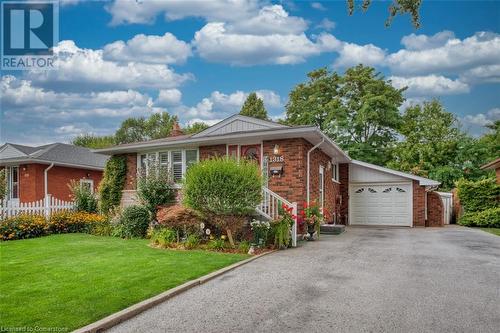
(74, 279)
(494, 231)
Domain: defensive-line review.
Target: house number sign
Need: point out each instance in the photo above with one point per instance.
(275, 159)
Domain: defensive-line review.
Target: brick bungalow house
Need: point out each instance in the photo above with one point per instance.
(299, 164)
(34, 172)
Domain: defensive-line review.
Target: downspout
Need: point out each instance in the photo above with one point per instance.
(45, 179)
(309, 166)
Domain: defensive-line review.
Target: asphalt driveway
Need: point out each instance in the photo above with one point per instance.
(366, 280)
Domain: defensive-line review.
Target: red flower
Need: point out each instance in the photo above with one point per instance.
(305, 204)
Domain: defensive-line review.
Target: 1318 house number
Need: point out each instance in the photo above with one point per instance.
(276, 159)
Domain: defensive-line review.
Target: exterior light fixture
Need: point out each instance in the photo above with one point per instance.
(276, 149)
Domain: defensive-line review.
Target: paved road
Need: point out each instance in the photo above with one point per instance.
(366, 280)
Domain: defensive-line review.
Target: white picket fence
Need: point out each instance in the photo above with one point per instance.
(45, 206)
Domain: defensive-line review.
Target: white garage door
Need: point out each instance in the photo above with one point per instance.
(381, 204)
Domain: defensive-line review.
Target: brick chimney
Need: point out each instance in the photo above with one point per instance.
(176, 130)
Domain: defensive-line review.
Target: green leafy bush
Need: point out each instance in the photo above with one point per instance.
(479, 195)
(23, 226)
(3, 184)
(155, 188)
(113, 181)
(192, 241)
(216, 244)
(132, 222)
(83, 197)
(163, 237)
(69, 222)
(244, 247)
(486, 218)
(224, 191)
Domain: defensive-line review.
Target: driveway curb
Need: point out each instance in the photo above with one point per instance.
(132, 311)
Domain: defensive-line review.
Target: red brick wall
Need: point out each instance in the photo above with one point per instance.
(418, 205)
(435, 210)
(212, 151)
(344, 191)
(131, 178)
(31, 181)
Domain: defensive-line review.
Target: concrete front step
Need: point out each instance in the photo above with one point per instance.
(332, 229)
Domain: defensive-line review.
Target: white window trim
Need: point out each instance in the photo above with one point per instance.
(335, 173)
(88, 181)
(170, 159)
(322, 186)
(9, 173)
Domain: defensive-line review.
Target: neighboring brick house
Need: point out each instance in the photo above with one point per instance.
(493, 165)
(299, 164)
(34, 172)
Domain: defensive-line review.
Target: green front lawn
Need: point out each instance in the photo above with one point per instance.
(494, 231)
(74, 279)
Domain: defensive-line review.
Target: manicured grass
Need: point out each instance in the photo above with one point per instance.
(494, 231)
(74, 279)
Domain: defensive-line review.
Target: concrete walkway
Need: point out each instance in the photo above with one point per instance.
(366, 280)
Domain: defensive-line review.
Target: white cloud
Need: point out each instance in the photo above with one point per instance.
(424, 42)
(326, 24)
(169, 97)
(127, 11)
(32, 114)
(354, 54)
(318, 6)
(214, 43)
(219, 105)
(270, 20)
(166, 49)
(430, 85)
(86, 69)
(454, 57)
(476, 124)
(482, 74)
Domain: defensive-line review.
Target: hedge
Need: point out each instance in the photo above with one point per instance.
(486, 218)
(30, 226)
(477, 196)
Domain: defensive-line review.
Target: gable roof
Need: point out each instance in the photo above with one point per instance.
(238, 123)
(57, 153)
(421, 180)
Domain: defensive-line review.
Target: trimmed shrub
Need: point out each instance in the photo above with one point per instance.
(133, 222)
(83, 197)
(486, 218)
(23, 226)
(113, 181)
(179, 218)
(479, 195)
(223, 190)
(69, 222)
(155, 188)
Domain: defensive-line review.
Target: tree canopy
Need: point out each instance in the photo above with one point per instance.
(254, 107)
(158, 125)
(397, 7)
(359, 110)
(195, 127)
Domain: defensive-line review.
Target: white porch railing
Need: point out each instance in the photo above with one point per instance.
(270, 206)
(45, 206)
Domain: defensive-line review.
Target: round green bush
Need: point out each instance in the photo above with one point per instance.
(223, 186)
(133, 222)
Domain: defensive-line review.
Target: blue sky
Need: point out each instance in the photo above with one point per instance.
(199, 60)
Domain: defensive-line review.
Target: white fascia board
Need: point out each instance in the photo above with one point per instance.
(196, 141)
(422, 181)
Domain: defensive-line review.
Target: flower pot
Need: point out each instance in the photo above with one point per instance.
(311, 230)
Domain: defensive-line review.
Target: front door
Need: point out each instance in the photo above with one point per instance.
(251, 152)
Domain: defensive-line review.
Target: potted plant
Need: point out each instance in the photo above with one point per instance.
(312, 217)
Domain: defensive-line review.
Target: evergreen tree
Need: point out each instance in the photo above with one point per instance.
(254, 107)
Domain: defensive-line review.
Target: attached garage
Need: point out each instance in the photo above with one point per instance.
(384, 197)
(381, 204)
